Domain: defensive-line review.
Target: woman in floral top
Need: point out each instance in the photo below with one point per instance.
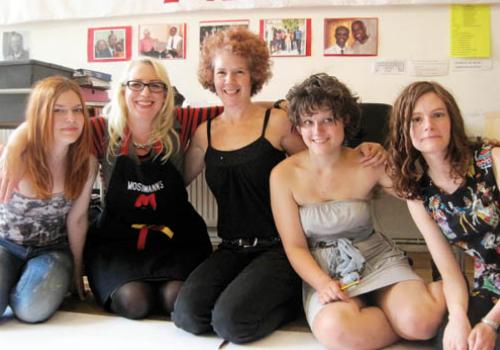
(452, 187)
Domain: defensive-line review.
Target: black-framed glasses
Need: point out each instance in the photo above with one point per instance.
(154, 86)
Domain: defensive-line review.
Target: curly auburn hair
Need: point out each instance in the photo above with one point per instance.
(406, 165)
(324, 92)
(239, 41)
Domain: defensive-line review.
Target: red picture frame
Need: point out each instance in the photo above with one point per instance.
(109, 44)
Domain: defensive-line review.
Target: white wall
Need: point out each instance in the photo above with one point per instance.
(405, 32)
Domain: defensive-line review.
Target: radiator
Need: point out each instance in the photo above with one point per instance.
(203, 200)
(198, 192)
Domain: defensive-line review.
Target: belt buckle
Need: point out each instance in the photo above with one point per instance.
(321, 244)
(242, 243)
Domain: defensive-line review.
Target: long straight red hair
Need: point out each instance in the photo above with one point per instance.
(40, 138)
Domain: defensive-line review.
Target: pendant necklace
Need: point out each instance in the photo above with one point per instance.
(142, 145)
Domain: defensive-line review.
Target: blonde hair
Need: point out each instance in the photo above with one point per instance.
(163, 124)
(40, 138)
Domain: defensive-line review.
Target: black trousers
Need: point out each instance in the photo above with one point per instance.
(477, 309)
(242, 294)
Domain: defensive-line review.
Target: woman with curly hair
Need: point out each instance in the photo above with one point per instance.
(246, 288)
(452, 187)
(359, 291)
(43, 224)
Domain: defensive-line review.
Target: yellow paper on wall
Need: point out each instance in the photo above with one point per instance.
(470, 31)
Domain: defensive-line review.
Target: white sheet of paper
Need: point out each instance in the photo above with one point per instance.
(389, 67)
(428, 68)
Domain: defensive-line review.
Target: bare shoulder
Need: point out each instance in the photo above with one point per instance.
(279, 118)
(371, 174)
(495, 151)
(495, 154)
(287, 167)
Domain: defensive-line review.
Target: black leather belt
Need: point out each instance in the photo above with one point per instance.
(251, 242)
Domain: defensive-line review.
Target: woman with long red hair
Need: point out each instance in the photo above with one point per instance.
(44, 223)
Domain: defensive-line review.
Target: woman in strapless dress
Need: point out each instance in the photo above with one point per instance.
(359, 291)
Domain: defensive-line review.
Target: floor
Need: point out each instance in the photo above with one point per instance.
(85, 326)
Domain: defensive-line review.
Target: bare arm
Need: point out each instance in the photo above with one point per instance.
(454, 286)
(194, 161)
(77, 225)
(11, 167)
(286, 216)
(289, 139)
(483, 336)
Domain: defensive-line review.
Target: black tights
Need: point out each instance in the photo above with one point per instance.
(138, 299)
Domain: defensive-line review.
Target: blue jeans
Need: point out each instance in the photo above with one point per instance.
(33, 281)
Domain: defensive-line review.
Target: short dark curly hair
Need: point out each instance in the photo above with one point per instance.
(322, 91)
(239, 41)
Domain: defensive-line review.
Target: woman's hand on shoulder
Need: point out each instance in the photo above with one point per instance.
(372, 154)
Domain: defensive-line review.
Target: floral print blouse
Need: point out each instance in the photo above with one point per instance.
(469, 219)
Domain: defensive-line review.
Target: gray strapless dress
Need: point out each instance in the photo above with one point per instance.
(343, 242)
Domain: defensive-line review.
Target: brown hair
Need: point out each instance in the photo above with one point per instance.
(322, 91)
(406, 164)
(40, 138)
(239, 41)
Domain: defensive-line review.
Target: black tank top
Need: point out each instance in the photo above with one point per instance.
(239, 181)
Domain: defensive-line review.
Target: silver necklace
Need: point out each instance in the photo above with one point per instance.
(142, 145)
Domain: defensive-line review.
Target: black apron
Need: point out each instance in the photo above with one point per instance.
(148, 230)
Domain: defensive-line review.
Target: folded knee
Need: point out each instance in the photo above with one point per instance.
(416, 324)
(330, 330)
(134, 300)
(234, 326)
(130, 308)
(29, 313)
(189, 316)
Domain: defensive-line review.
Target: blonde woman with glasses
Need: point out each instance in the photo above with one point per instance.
(149, 237)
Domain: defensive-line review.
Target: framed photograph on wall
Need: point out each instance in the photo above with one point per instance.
(15, 46)
(287, 36)
(163, 41)
(351, 37)
(109, 44)
(208, 28)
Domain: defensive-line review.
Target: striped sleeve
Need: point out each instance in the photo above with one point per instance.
(99, 132)
(191, 117)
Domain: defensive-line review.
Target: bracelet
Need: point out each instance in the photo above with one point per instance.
(490, 323)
